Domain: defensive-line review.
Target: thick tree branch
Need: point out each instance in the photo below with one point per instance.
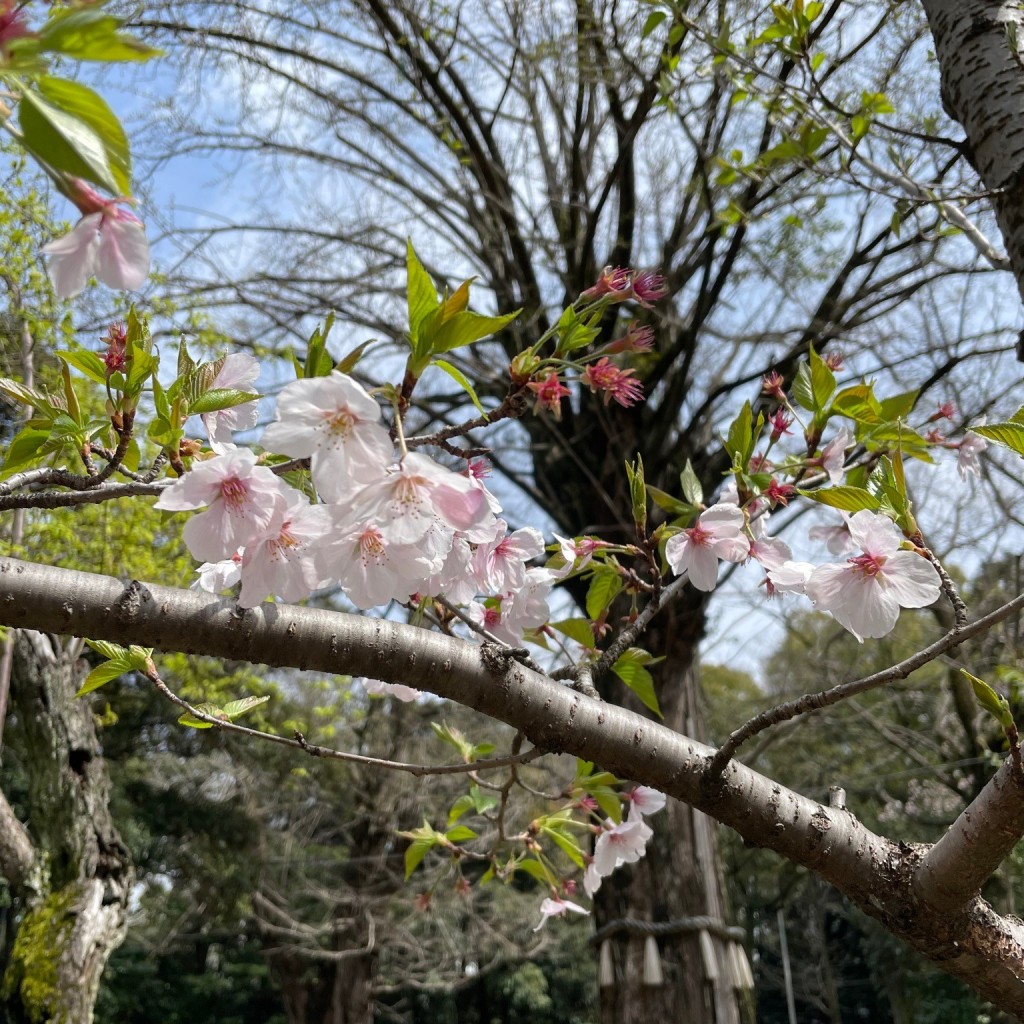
(17, 855)
(955, 868)
(972, 943)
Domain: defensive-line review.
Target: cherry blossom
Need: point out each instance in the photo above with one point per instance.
(501, 564)
(717, 534)
(108, 243)
(556, 908)
(967, 455)
(215, 577)
(648, 287)
(337, 425)
(406, 694)
(241, 497)
(620, 844)
(833, 456)
(238, 372)
(788, 578)
(550, 391)
(644, 800)
(527, 607)
(865, 595)
(282, 561)
(614, 283)
(604, 376)
(371, 567)
(576, 554)
(638, 338)
(837, 538)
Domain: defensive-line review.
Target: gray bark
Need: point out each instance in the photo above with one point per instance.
(983, 89)
(75, 887)
(882, 877)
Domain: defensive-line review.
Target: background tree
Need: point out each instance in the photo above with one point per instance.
(532, 148)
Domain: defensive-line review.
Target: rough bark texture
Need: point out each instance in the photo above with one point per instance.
(971, 942)
(75, 907)
(983, 89)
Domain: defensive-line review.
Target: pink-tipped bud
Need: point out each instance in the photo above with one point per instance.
(115, 358)
(648, 287)
(772, 384)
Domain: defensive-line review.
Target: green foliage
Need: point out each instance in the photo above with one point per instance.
(31, 976)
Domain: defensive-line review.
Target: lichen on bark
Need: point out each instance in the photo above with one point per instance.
(32, 977)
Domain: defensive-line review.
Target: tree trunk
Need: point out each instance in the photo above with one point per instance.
(979, 46)
(75, 900)
(325, 991)
(678, 880)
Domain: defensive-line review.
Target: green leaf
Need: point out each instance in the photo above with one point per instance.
(467, 327)
(108, 650)
(898, 407)
(23, 448)
(1018, 416)
(609, 802)
(460, 834)
(64, 141)
(455, 738)
(318, 360)
(579, 630)
(567, 844)
(90, 33)
(670, 504)
(422, 295)
(575, 333)
(740, 441)
(482, 802)
(348, 363)
(220, 398)
(29, 396)
(213, 710)
(102, 674)
(88, 362)
(536, 870)
(630, 669)
(803, 387)
(604, 588)
(1011, 434)
(417, 850)
(823, 381)
(692, 490)
(91, 109)
(997, 706)
(638, 493)
(654, 19)
(460, 807)
(462, 380)
(858, 403)
(846, 498)
(236, 708)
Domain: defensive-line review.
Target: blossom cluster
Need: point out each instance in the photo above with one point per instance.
(389, 528)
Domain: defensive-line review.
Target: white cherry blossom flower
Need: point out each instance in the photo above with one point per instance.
(789, 578)
(406, 694)
(717, 534)
(282, 561)
(241, 497)
(500, 565)
(837, 538)
(337, 425)
(967, 455)
(527, 607)
(108, 243)
(215, 577)
(238, 372)
(371, 567)
(865, 595)
(833, 456)
(556, 908)
(644, 800)
(622, 844)
(417, 498)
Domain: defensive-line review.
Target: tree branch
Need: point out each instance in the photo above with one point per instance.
(973, 943)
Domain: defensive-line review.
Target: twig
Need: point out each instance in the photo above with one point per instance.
(299, 742)
(826, 698)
